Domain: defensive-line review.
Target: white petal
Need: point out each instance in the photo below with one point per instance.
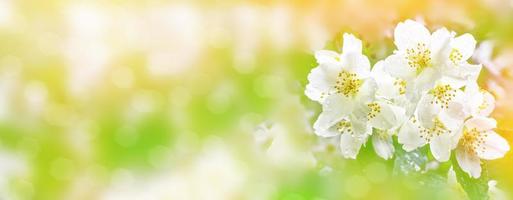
(329, 132)
(408, 104)
(451, 177)
(471, 87)
(481, 123)
(351, 44)
(360, 111)
(400, 116)
(397, 66)
(385, 83)
(409, 136)
(455, 137)
(350, 146)
(470, 71)
(321, 81)
(453, 81)
(441, 147)
(440, 48)
(314, 94)
(378, 73)
(383, 145)
(462, 72)
(379, 69)
(458, 108)
(426, 79)
(389, 117)
(360, 128)
(387, 89)
(494, 146)
(356, 63)
(335, 108)
(473, 98)
(466, 44)
(323, 56)
(487, 105)
(426, 111)
(468, 162)
(367, 91)
(409, 33)
(450, 122)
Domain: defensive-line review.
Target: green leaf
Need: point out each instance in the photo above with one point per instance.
(476, 189)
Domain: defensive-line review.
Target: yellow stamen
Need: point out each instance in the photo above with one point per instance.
(348, 84)
(455, 56)
(401, 84)
(375, 109)
(438, 129)
(419, 57)
(472, 140)
(443, 95)
(344, 126)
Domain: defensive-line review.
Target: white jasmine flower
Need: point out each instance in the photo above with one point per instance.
(443, 97)
(342, 84)
(435, 65)
(350, 109)
(338, 73)
(479, 141)
(356, 129)
(385, 119)
(425, 93)
(416, 56)
(353, 134)
(441, 133)
(393, 91)
(479, 102)
(422, 58)
(389, 87)
(456, 68)
(436, 121)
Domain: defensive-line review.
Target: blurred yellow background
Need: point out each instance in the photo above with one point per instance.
(204, 99)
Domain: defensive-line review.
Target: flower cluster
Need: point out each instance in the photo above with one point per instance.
(425, 93)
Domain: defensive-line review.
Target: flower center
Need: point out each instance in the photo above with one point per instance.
(375, 109)
(419, 57)
(401, 85)
(438, 129)
(348, 84)
(344, 126)
(472, 140)
(443, 95)
(455, 56)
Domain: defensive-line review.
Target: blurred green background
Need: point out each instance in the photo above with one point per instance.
(204, 99)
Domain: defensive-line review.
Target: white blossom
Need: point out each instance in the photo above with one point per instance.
(328, 78)
(422, 58)
(435, 67)
(426, 93)
(342, 83)
(479, 141)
